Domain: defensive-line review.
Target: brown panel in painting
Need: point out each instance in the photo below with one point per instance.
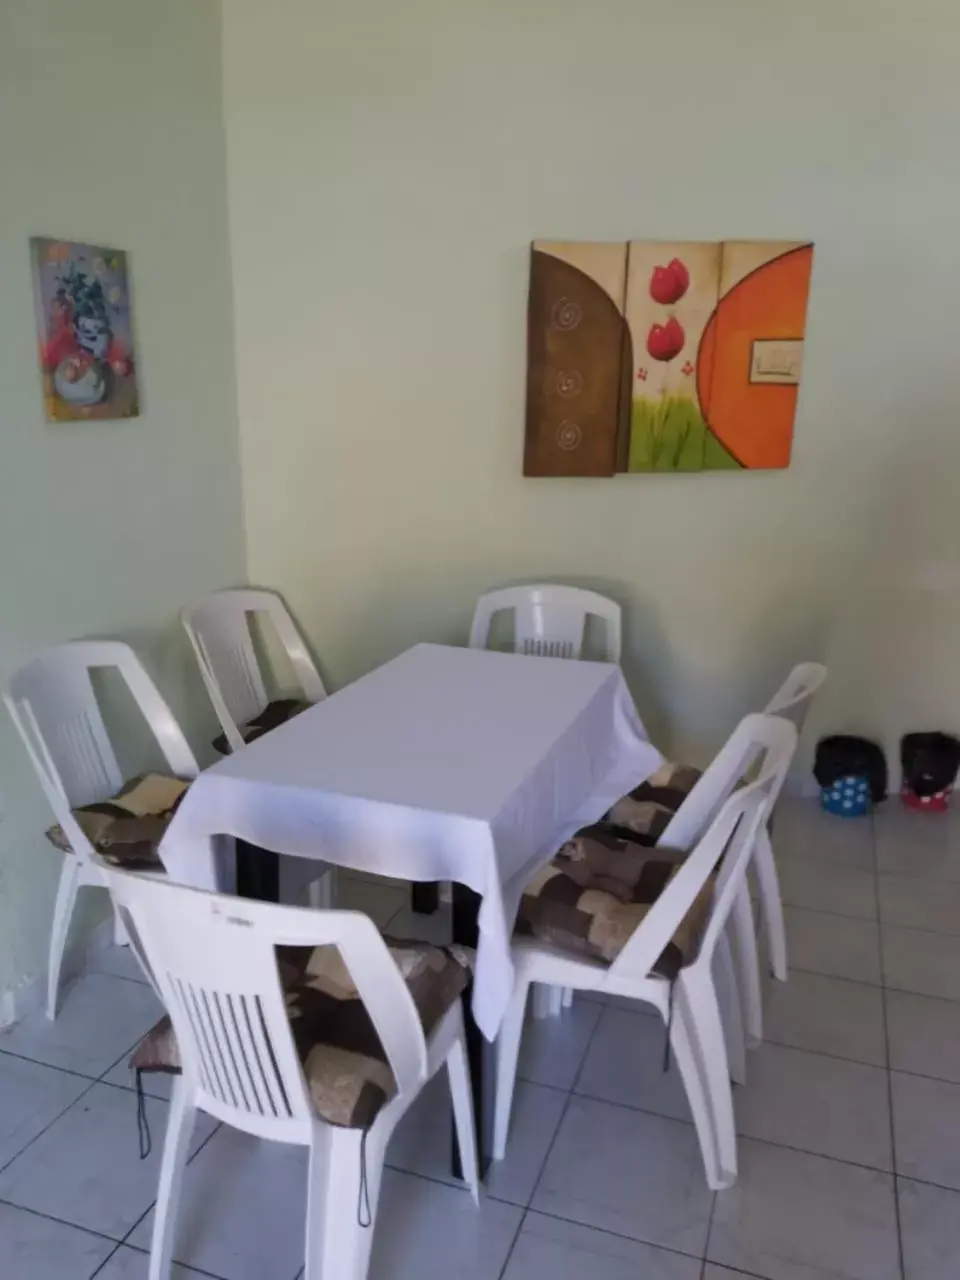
(577, 340)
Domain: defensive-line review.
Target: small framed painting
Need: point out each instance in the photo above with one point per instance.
(84, 331)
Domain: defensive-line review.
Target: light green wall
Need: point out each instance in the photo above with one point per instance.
(111, 131)
(388, 165)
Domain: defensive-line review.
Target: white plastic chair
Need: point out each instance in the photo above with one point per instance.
(548, 621)
(792, 701)
(696, 1028)
(794, 697)
(219, 631)
(55, 710)
(212, 962)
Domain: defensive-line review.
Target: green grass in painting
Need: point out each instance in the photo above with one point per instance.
(669, 434)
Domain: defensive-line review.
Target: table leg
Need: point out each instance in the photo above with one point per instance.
(481, 1054)
(258, 873)
(425, 897)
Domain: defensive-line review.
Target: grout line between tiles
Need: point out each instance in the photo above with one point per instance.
(834, 915)
(67, 1071)
(513, 1244)
(618, 1235)
(915, 928)
(49, 1126)
(61, 1222)
(886, 1041)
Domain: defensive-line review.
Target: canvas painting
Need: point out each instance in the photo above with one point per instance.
(578, 385)
(84, 331)
(682, 356)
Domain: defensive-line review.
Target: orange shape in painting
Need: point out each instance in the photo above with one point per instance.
(754, 421)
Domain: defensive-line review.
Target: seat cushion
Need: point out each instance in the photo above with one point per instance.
(342, 1058)
(126, 829)
(647, 809)
(598, 889)
(272, 715)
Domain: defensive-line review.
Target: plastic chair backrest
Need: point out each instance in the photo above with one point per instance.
(548, 621)
(219, 630)
(792, 700)
(736, 760)
(730, 835)
(53, 705)
(212, 960)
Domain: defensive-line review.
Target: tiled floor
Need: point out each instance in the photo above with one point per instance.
(849, 1123)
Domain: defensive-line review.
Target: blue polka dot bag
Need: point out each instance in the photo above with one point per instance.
(848, 797)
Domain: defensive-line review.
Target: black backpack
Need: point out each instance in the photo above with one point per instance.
(929, 761)
(844, 755)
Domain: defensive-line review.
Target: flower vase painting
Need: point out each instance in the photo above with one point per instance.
(657, 356)
(84, 332)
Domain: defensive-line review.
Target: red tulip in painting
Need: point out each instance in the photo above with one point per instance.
(668, 284)
(665, 341)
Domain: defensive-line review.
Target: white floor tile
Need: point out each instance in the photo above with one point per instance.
(422, 1141)
(131, 1264)
(817, 886)
(926, 963)
(378, 899)
(625, 1066)
(34, 1248)
(924, 1035)
(837, 946)
(31, 1097)
(552, 1049)
(793, 1216)
(920, 904)
(827, 1015)
(918, 844)
(243, 1209)
(117, 962)
(625, 1171)
(426, 1231)
(817, 1104)
(85, 1170)
(930, 1231)
(100, 1019)
(802, 831)
(926, 1120)
(550, 1249)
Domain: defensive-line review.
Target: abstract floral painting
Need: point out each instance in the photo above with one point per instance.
(84, 331)
(684, 356)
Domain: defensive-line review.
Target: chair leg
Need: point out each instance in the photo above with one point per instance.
(338, 1245)
(547, 1000)
(62, 912)
(321, 893)
(567, 1000)
(508, 1050)
(176, 1148)
(748, 968)
(692, 1075)
(728, 996)
(706, 1030)
(461, 1093)
(771, 904)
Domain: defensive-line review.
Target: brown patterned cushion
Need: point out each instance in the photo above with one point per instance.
(126, 829)
(158, 1050)
(598, 889)
(272, 715)
(647, 809)
(343, 1061)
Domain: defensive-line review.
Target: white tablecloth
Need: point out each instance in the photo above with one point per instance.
(444, 764)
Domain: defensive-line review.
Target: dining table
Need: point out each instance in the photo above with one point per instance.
(447, 764)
